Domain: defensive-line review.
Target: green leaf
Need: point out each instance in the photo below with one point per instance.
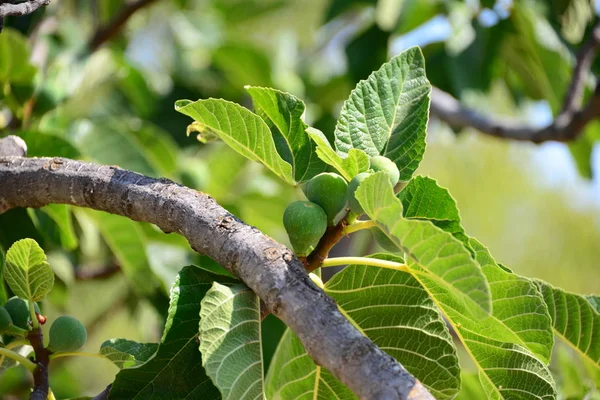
(354, 163)
(283, 113)
(175, 371)
(14, 58)
(127, 353)
(127, 241)
(230, 341)
(431, 251)
(575, 319)
(61, 214)
(241, 129)
(387, 113)
(294, 375)
(511, 347)
(27, 272)
(423, 199)
(393, 310)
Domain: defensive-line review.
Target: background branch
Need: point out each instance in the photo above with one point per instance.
(110, 30)
(21, 9)
(267, 267)
(567, 125)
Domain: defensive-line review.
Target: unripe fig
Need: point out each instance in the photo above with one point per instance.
(384, 241)
(305, 223)
(329, 191)
(352, 186)
(18, 309)
(381, 163)
(66, 334)
(5, 319)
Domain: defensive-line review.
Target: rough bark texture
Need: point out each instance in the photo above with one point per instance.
(267, 267)
(20, 9)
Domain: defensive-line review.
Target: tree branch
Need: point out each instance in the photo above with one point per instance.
(267, 267)
(21, 9)
(41, 386)
(567, 125)
(110, 30)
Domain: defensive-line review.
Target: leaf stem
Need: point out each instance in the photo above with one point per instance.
(34, 321)
(359, 225)
(336, 261)
(27, 363)
(77, 354)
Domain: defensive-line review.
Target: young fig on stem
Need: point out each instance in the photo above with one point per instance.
(328, 190)
(305, 223)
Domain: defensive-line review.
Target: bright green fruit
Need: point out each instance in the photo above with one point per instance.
(329, 191)
(384, 241)
(352, 186)
(5, 319)
(66, 334)
(305, 223)
(381, 163)
(19, 311)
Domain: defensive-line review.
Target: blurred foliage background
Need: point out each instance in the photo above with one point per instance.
(537, 207)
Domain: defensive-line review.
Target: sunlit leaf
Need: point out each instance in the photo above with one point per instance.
(422, 198)
(430, 250)
(27, 272)
(575, 319)
(387, 113)
(241, 129)
(283, 113)
(230, 341)
(394, 311)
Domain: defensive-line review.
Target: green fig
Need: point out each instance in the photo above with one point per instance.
(381, 163)
(328, 190)
(5, 319)
(305, 223)
(66, 334)
(18, 309)
(355, 206)
(384, 241)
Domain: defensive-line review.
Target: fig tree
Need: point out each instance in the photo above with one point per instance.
(328, 190)
(305, 223)
(66, 334)
(381, 163)
(18, 309)
(352, 186)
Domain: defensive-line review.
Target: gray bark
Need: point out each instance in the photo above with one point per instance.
(267, 267)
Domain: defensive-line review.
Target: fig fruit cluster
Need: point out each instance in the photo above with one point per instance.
(328, 194)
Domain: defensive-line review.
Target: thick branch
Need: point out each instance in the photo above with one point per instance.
(267, 267)
(567, 125)
(110, 30)
(21, 9)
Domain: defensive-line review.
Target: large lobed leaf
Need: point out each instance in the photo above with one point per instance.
(230, 341)
(430, 250)
(393, 310)
(387, 113)
(241, 129)
(283, 113)
(511, 347)
(575, 319)
(175, 371)
(127, 353)
(27, 272)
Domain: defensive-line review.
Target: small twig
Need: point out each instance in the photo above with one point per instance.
(331, 237)
(21, 9)
(102, 273)
(110, 30)
(41, 385)
(567, 125)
